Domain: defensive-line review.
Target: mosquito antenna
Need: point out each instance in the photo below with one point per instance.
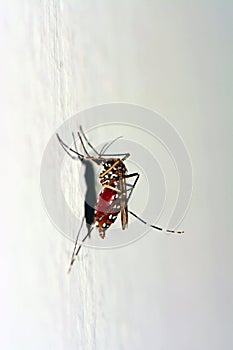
(75, 255)
(101, 151)
(153, 226)
(67, 149)
(107, 145)
(104, 148)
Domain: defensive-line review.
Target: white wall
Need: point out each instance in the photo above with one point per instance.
(61, 57)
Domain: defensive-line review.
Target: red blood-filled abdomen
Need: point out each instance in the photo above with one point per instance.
(107, 209)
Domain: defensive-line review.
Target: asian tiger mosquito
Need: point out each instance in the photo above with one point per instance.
(114, 198)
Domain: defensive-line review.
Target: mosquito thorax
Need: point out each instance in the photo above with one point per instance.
(107, 163)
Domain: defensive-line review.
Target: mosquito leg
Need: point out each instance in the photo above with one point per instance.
(75, 144)
(81, 156)
(88, 142)
(153, 226)
(75, 255)
(85, 150)
(76, 241)
(136, 216)
(106, 146)
(103, 149)
(67, 149)
(78, 155)
(125, 177)
(126, 155)
(136, 175)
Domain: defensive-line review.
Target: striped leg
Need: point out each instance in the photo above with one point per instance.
(153, 226)
(75, 254)
(137, 217)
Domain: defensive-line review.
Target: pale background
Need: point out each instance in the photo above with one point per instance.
(61, 57)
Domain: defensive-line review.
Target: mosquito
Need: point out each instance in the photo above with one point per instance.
(116, 192)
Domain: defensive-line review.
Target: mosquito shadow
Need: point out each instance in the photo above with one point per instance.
(90, 196)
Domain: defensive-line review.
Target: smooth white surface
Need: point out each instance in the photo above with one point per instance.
(161, 293)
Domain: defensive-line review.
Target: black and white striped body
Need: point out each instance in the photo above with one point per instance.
(113, 197)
